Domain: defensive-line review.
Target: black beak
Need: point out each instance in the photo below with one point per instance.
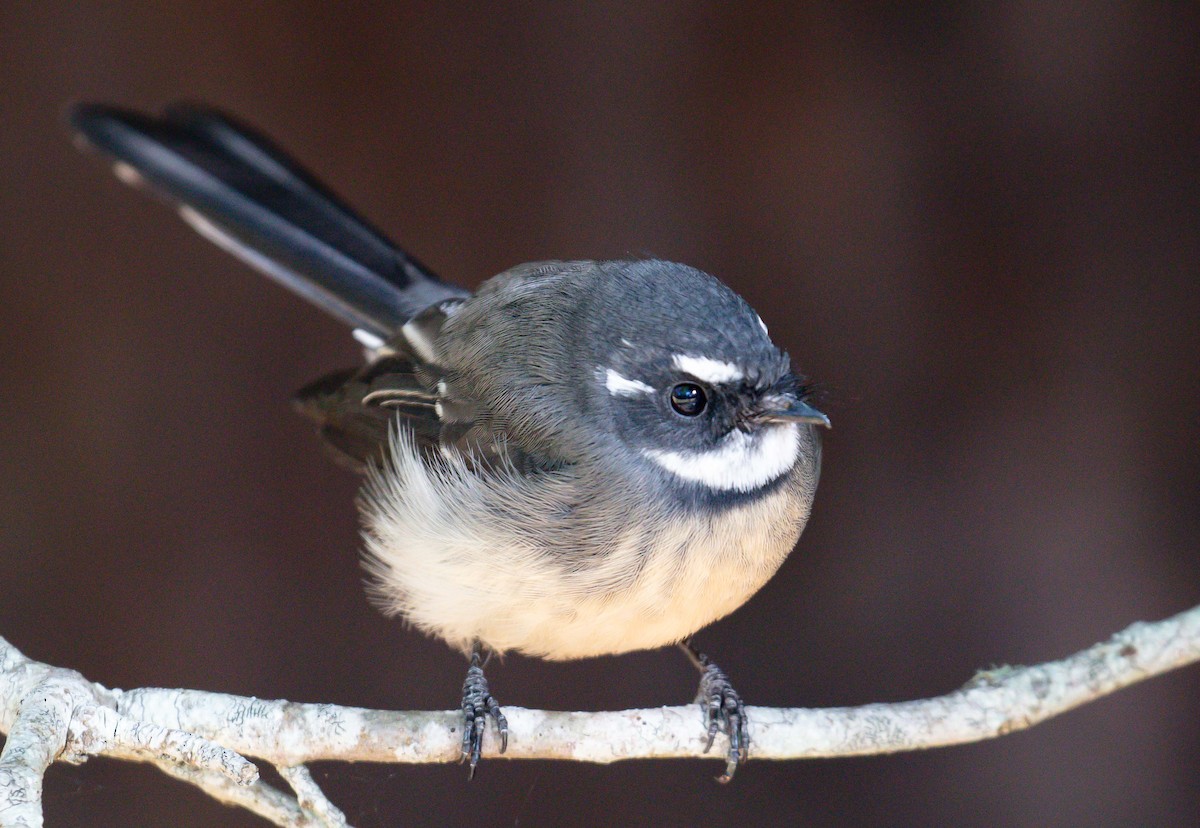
(787, 409)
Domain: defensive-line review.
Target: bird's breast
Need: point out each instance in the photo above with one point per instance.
(678, 577)
(521, 562)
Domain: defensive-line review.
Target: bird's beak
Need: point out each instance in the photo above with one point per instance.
(787, 409)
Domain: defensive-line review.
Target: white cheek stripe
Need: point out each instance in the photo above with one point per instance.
(620, 386)
(743, 462)
(712, 371)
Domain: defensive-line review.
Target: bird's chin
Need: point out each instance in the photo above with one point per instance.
(740, 462)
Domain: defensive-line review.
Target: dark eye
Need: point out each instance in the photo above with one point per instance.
(688, 399)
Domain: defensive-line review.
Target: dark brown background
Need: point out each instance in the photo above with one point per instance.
(976, 225)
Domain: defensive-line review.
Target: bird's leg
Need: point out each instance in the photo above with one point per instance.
(477, 704)
(723, 709)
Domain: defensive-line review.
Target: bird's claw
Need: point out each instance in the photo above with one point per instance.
(723, 710)
(477, 704)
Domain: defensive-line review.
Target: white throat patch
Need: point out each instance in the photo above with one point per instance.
(742, 462)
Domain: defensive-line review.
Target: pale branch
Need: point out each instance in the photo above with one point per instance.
(55, 714)
(273, 805)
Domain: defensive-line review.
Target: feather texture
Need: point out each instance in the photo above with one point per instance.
(242, 192)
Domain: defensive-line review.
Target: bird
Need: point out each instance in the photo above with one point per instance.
(578, 459)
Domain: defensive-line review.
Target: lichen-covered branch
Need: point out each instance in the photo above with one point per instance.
(55, 714)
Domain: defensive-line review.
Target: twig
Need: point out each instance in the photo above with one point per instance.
(54, 714)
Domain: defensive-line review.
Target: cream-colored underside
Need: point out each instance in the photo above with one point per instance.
(460, 555)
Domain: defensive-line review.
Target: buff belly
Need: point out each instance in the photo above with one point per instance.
(451, 567)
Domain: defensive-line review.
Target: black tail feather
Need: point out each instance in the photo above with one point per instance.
(241, 191)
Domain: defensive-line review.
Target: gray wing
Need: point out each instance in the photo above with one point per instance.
(355, 410)
(404, 387)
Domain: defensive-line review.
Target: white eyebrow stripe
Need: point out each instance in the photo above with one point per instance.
(762, 324)
(708, 370)
(743, 462)
(620, 386)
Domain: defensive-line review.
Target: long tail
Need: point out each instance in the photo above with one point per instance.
(242, 192)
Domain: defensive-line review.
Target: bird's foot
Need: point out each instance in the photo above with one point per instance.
(723, 710)
(477, 704)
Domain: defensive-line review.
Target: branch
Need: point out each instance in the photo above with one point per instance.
(55, 714)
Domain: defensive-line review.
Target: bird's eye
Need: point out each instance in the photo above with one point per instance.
(688, 399)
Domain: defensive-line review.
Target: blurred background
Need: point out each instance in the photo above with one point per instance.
(975, 224)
